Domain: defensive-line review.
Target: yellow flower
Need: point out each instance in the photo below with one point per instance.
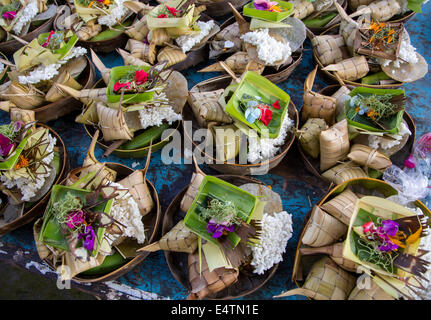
(106, 2)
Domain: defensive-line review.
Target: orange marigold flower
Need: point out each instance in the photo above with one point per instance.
(91, 3)
(22, 162)
(275, 9)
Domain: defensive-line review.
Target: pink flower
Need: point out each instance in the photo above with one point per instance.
(118, 86)
(141, 77)
(369, 226)
(75, 219)
(9, 15)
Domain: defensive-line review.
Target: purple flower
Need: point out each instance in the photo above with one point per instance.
(264, 4)
(217, 229)
(5, 145)
(9, 15)
(89, 238)
(17, 126)
(75, 219)
(390, 227)
(388, 246)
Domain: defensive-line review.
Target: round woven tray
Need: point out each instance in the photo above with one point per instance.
(38, 207)
(151, 221)
(367, 186)
(328, 75)
(177, 261)
(233, 168)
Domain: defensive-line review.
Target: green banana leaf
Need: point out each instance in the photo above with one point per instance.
(50, 232)
(320, 21)
(254, 84)
(249, 10)
(112, 33)
(375, 78)
(244, 202)
(362, 122)
(65, 46)
(116, 74)
(110, 263)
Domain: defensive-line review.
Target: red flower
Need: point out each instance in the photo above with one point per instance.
(118, 86)
(45, 44)
(141, 77)
(276, 105)
(162, 16)
(266, 115)
(172, 10)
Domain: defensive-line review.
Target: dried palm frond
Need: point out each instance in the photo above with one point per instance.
(322, 229)
(206, 283)
(369, 157)
(344, 172)
(86, 96)
(350, 69)
(330, 48)
(309, 135)
(316, 105)
(130, 60)
(171, 55)
(112, 123)
(325, 281)
(23, 96)
(88, 31)
(206, 108)
(373, 292)
(335, 251)
(178, 239)
(334, 145)
(139, 30)
(342, 206)
(55, 94)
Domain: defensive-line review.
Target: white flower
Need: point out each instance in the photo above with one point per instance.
(276, 231)
(187, 42)
(262, 149)
(126, 211)
(30, 11)
(115, 16)
(269, 49)
(154, 116)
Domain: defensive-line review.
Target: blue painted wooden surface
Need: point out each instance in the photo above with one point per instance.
(297, 188)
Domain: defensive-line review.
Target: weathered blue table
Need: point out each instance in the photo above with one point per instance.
(298, 189)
